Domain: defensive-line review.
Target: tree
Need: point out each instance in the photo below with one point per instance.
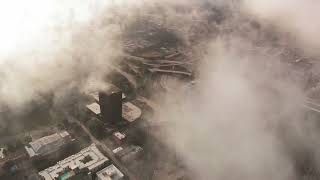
(27, 139)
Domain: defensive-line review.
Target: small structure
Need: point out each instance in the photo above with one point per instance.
(2, 153)
(130, 153)
(119, 137)
(89, 158)
(118, 149)
(110, 173)
(48, 144)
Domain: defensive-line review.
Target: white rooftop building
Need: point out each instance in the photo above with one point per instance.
(90, 158)
(110, 173)
(47, 144)
(118, 149)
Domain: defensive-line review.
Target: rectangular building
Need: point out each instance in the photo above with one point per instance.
(110, 173)
(48, 144)
(90, 159)
(111, 105)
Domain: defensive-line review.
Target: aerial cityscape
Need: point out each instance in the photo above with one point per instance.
(159, 90)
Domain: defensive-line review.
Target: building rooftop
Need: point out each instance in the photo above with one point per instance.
(47, 144)
(110, 173)
(130, 112)
(90, 158)
(95, 108)
(130, 153)
(111, 89)
(95, 96)
(116, 150)
(119, 135)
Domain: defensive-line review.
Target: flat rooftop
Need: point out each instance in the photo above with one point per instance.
(130, 112)
(95, 108)
(47, 144)
(89, 158)
(110, 173)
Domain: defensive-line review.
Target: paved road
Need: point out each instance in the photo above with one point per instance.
(128, 76)
(169, 71)
(109, 152)
(312, 106)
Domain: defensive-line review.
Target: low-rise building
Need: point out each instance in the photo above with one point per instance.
(119, 137)
(48, 144)
(90, 159)
(118, 149)
(131, 112)
(130, 153)
(110, 173)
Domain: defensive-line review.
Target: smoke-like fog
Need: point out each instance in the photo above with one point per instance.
(228, 126)
(32, 24)
(298, 18)
(243, 116)
(49, 45)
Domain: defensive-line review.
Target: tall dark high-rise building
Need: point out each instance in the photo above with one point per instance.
(111, 105)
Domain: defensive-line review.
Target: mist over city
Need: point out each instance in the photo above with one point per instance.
(159, 90)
